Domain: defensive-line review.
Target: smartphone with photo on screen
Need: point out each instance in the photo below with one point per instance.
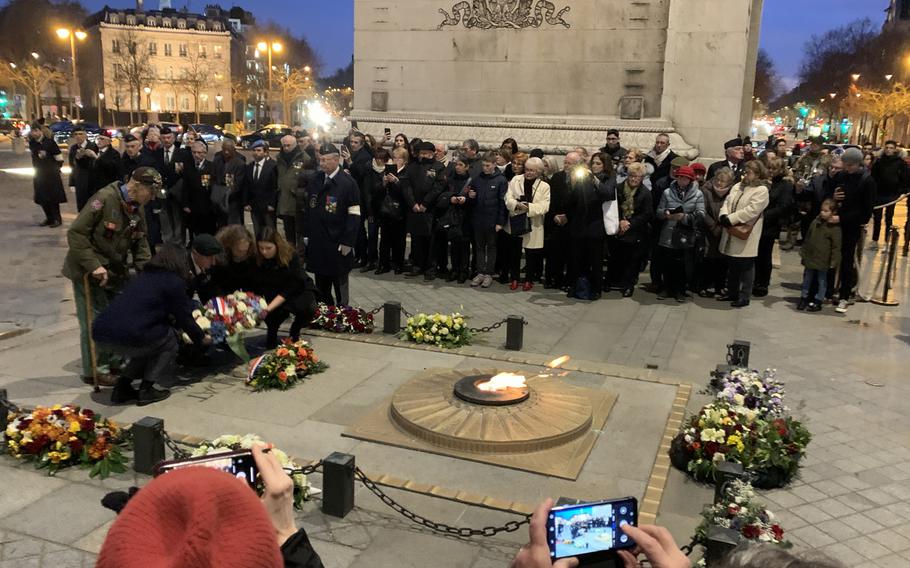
(240, 464)
(591, 530)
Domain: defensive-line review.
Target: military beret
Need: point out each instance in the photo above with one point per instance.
(165, 130)
(207, 245)
(733, 143)
(327, 149)
(679, 161)
(129, 138)
(426, 147)
(259, 144)
(147, 176)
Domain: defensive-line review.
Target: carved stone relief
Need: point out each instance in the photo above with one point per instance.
(504, 14)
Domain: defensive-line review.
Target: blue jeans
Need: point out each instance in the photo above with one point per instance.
(821, 277)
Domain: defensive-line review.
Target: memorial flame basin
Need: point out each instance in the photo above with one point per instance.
(448, 410)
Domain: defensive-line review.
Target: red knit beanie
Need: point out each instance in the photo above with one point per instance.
(195, 517)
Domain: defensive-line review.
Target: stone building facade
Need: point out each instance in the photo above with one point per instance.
(556, 74)
(177, 45)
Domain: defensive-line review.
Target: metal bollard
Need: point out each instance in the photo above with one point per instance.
(720, 542)
(515, 333)
(893, 241)
(391, 317)
(4, 414)
(738, 353)
(726, 472)
(338, 484)
(148, 444)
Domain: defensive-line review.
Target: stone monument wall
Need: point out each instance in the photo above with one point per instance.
(554, 74)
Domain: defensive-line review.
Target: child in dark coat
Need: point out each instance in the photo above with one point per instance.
(820, 252)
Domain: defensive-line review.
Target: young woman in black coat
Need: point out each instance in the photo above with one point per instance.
(280, 279)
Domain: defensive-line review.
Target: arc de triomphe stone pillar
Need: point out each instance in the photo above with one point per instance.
(556, 74)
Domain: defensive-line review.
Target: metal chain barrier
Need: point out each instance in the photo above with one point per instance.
(510, 526)
(688, 548)
(308, 470)
(375, 311)
(179, 453)
(406, 313)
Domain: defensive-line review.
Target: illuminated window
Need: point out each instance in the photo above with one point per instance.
(167, 50)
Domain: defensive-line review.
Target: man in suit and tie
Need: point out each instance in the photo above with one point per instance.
(261, 187)
(107, 167)
(733, 149)
(197, 192)
(175, 159)
(332, 223)
(81, 154)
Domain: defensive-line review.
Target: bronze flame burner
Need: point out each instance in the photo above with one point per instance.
(466, 389)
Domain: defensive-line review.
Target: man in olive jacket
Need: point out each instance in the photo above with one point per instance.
(108, 229)
(290, 164)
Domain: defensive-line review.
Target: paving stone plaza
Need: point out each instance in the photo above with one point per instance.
(845, 375)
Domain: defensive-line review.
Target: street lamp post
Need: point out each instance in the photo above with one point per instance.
(218, 99)
(269, 47)
(73, 35)
(100, 104)
(148, 103)
(831, 131)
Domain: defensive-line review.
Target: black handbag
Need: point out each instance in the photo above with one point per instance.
(519, 225)
(220, 195)
(683, 236)
(451, 222)
(391, 209)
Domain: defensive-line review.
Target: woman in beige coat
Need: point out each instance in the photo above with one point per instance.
(528, 197)
(741, 218)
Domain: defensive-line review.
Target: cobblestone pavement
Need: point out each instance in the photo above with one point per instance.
(846, 377)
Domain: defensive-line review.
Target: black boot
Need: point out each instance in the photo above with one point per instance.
(123, 392)
(148, 394)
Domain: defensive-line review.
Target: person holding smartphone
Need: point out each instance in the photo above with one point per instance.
(221, 521)
(681, 211)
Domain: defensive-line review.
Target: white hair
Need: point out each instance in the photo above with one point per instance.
(535, 164)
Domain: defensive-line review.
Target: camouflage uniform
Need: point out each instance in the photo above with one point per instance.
(106, 231)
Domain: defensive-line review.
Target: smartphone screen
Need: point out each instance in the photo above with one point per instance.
(240, 464)
(589, 528)
(388, 131)
(391, 169)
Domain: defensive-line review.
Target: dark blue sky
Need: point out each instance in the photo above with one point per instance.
(328, 24)
(787, 24)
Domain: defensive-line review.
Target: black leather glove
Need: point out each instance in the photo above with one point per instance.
(725, 221)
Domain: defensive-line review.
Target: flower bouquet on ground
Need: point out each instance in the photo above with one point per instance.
(226, 318)
(233, 442)
(760, 392)
(768, 448)
(446, 331)
(58, 437)
(284, 367)
(738, 510)
(343, 319)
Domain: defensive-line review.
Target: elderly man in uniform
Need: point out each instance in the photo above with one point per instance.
(735, 160)
(333, 219)
(109, 229)
(107, 167)
(81, 155)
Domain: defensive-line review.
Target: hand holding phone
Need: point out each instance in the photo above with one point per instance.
(536, 553)
(591, 528)
(658, 546)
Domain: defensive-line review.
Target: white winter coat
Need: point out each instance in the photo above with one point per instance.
(744, 206)
(537, 208)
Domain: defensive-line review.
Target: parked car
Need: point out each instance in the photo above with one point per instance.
(208, 133)
(271, 134)
(63, 130)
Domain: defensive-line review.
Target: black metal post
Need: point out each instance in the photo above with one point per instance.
(338, 484)
(738, 353)
(4, 412)
(515, 333)
(148, 444)
(726, 472)
(893, 241)
(391, 317)
(720, 542)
